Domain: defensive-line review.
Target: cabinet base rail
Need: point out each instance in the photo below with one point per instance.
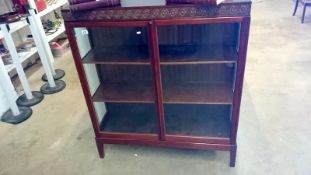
(156, 143)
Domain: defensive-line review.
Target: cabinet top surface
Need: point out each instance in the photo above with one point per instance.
(228, 8)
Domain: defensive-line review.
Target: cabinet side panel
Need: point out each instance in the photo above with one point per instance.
(82, 40)
(84, 45)
(100, 108)
(244, 34)
(92, 77)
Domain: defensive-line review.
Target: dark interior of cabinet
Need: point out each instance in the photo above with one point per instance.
(183, 84)
(130, 118)
(177, 44)
(185, 119)
(200, 42)
(118, 44)
(197, 120)
(198, 65)
(124, 83)
(198, 84)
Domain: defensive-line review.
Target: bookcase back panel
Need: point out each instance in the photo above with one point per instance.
(118, 36)
(116, 44)
(130, 118)
(125, 73)
(200, 34)
(119, 43)
(198, 84)
(202, 73)
(197, 120)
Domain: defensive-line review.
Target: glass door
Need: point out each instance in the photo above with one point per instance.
(198, 65)
(117, 65)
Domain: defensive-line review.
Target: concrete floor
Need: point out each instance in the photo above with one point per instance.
(274, 133)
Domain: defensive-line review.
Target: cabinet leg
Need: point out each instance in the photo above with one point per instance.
(100, 148)
(233, 156)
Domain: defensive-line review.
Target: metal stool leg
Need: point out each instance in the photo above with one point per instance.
(303, 13)
(51, 86)
(296, 6)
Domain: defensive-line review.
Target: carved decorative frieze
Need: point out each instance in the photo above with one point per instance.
(159, 12)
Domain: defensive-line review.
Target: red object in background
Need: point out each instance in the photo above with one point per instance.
(20, 5)
(41, 5)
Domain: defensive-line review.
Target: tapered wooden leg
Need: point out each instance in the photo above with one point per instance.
(296, 6)
(233, 156)
(100, 148)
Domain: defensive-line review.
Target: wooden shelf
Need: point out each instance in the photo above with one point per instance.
(125, 92)
(190, 54)
(169, 55)
(130, 118)
(15, 26)
(52, 7)
(131, 55)
(23, 56)
(186, 93)
(59, 31)
(198, 93)
(198, 120)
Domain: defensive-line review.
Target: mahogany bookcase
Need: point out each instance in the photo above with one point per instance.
(168, 76)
